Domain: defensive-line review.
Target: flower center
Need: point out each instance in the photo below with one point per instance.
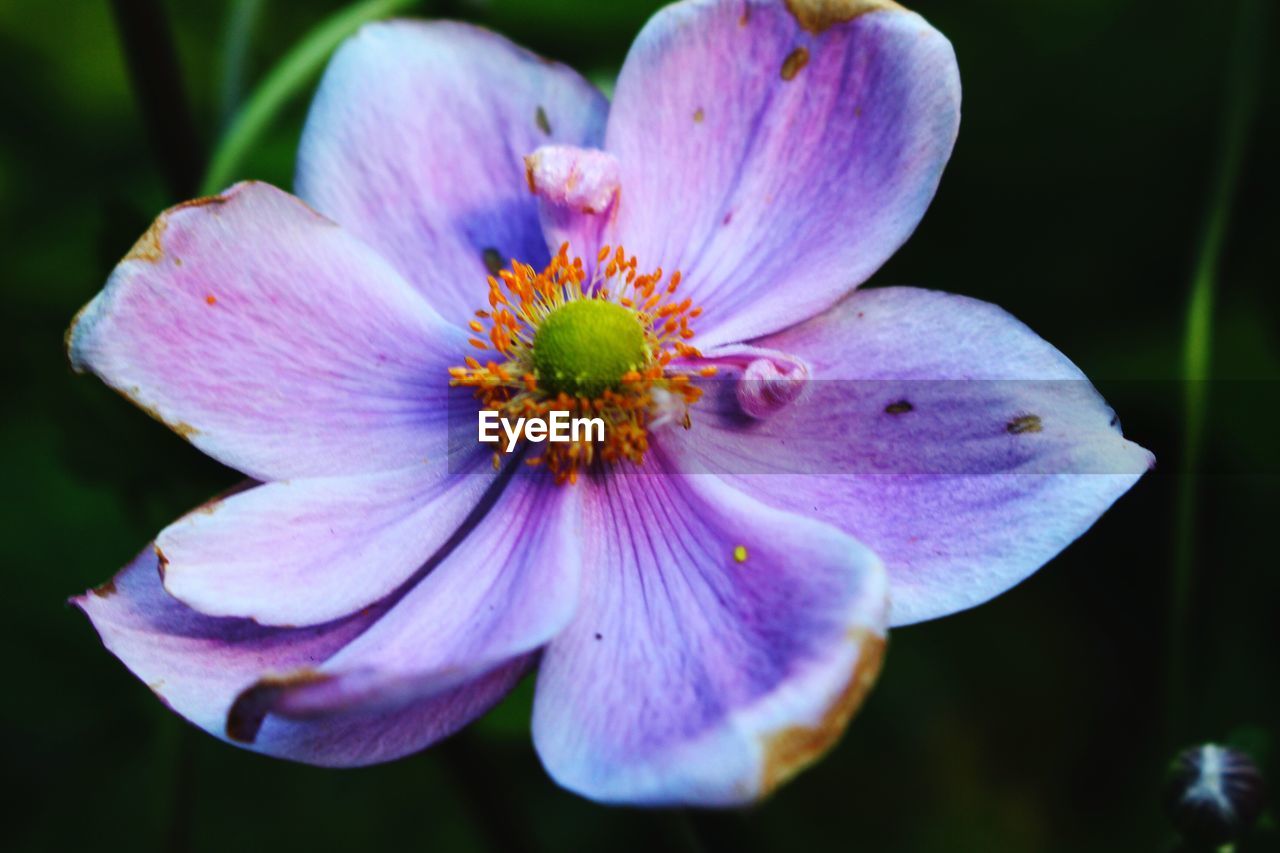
(611, 346)
(586, 346)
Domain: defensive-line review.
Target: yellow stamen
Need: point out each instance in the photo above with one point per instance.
(521, 299)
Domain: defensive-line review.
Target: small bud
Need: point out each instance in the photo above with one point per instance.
(768, 385)
(1213, 794)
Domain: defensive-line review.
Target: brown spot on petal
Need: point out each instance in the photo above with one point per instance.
(211, 299)
(899, 408)
(796, 60)
(208, 507)
(214, 503)
(544, 123)
(699, 116)
(529, 165)
(817, 16)
(202, 201)
(790, 750)
(179, 427)
(182, 428)
(492, 260)
(252, 705)
(1026, 423)
(149, 248)
(105, 590)
(155, 687)
(70, 333)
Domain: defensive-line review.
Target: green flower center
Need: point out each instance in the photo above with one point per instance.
(587, 345)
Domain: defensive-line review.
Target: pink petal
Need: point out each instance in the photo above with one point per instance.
(509, 586)
(938, 430)
(415, 142)
(304, 552)
(273, 340)
(777, 166)
(198, 665)
(719, 647)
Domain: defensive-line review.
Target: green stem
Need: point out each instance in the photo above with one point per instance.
(293, 73)
(241, 22)
(1242, 88)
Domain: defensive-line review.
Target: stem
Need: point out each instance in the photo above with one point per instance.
(1241, 98)
(284, 82)
(156, 76)
(241, 22)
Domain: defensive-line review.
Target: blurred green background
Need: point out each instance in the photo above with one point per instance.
(1094, 135)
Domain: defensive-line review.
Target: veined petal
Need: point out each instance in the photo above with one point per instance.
(197, 665)
(305, 552)
(415, 142)
(778, 153)
(509, 586)
(273, 340)
(719, 647)
(940, 431)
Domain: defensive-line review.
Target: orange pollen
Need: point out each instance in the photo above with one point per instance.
(520, 298)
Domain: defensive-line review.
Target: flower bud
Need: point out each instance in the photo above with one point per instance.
(1213, 794)
(769, 385)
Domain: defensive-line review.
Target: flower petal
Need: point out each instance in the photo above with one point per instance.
(940, 431)
(509, 586)
(778, 154)
(415, 143)
(273, 340)
(305, 552)
(197, 665)
(719, 647)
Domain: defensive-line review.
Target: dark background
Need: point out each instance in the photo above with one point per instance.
(1094, 135)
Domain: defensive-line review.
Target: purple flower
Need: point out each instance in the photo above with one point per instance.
(699, 637)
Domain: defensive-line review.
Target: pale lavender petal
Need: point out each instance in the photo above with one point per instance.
(778, 165)
(304, 552)
(197, 665)
(416, 141)
(273, 340)
(509, 586)
(939, 431)
(720, 645)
